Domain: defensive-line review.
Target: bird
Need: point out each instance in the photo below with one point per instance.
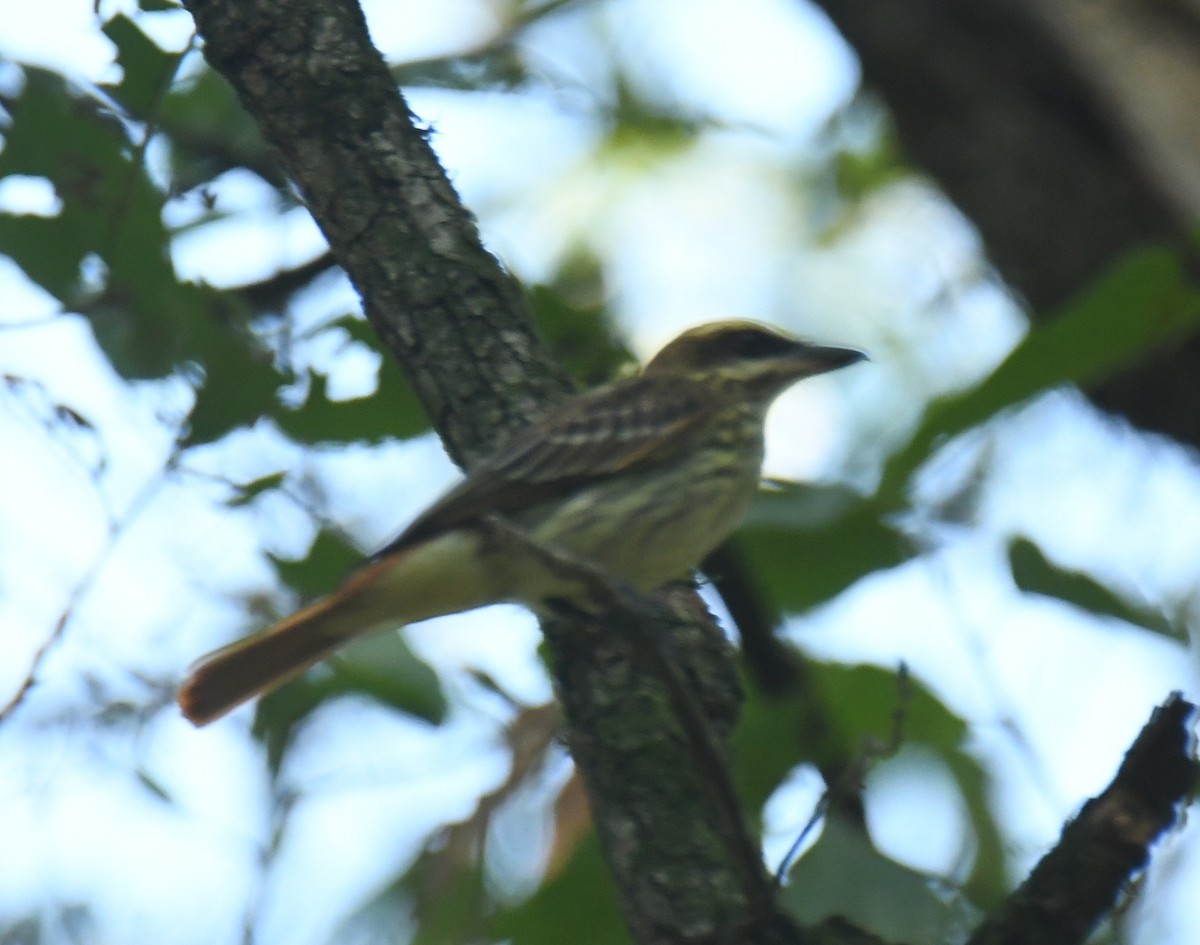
(641, 477)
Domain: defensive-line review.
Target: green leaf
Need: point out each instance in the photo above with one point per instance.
(48, 114)
(455, 910)
(325, 566)
(384, 667)
(862, 172)
(76, 146)
(147, 69)
(1034, 573)
(843, 875)
(577, 905)
(111, 211)
(391, 411)
(863, 700)
(1144, 302)
(241, 383)
(827, 721)
(989, 881)
(46, 249)
(806, 544)
(211, 133)
(399, 680)
(840, 712)
(579, 335)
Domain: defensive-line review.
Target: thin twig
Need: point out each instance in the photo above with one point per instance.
(852, 775)
(138, 157)
(116, 529)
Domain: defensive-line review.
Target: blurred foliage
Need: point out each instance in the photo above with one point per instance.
(111, 220)
(1145, 302)
(807, 544)
(381, 668)
(577, 904)
(106, 255)
(210, 134)
(840, 717)
(499, 67)
(570, 316)
(864, 168)
(1034, 573)
(146, 70)
(329, 559)
(391, 410)
(887, 899)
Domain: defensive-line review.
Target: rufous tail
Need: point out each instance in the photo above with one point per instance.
(226, 678)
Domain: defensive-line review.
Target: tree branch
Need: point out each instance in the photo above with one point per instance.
(327, 106)
(275, 292)
(1078, 882)
(459, 327)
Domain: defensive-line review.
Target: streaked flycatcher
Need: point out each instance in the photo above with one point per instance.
(641, 477)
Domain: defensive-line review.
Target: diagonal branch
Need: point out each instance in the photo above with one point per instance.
(1078, 882)
(460, 329)
(326, 104)
(645, 618)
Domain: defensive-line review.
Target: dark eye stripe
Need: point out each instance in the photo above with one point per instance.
(760, 344)
(749, 343)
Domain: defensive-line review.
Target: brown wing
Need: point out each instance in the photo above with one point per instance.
(611, 430)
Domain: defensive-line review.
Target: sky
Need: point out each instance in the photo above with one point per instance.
(99, 533)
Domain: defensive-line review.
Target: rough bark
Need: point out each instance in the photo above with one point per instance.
(326, 104)
(1078, 882)
(458, 325)
(1065, 130)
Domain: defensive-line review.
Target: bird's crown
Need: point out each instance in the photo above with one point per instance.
(747, 344)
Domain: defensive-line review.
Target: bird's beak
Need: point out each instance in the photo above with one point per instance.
(820, 359)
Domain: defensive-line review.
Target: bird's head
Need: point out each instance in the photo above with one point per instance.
(748, 355)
